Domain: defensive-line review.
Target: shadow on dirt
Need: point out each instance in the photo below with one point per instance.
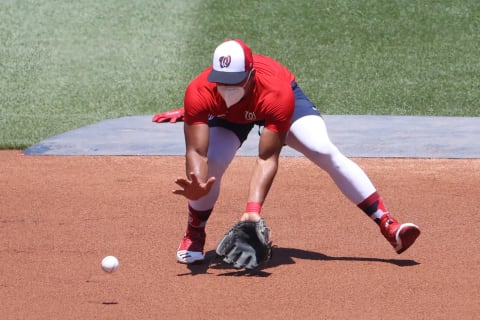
(285, 256)
(281, 256)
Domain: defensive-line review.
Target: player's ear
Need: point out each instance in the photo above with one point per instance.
(253, 73)
(251, 79)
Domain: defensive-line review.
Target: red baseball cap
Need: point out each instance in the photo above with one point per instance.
(232, 62)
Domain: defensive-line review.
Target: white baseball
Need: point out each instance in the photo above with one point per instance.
(110, 264)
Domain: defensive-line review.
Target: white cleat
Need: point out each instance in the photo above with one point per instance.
(189, 257)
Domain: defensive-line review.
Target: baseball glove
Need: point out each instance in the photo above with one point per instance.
(246, 245)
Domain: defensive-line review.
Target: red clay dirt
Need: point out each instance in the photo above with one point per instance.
(61, 215)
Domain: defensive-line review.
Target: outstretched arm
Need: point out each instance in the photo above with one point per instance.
(269, 148)
(197, 184)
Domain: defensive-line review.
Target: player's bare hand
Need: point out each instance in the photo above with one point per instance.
(193, 189)
(250, 216)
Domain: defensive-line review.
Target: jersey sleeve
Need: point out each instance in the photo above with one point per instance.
(276, 95)
(195, 113)
(198, 100)
(281, 105)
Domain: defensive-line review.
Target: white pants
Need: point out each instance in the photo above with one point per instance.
(308, 135)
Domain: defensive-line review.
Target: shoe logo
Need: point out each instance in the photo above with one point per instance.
(387, 223)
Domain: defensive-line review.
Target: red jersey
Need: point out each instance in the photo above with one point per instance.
(271, 101)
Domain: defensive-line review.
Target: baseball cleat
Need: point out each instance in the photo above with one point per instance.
(189, 257)
(400, 236)
(191, 248)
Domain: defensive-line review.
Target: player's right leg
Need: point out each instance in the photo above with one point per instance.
(221, 150)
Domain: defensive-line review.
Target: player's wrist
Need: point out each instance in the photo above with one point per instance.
(253, 207)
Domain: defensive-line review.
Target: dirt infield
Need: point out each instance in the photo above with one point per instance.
(59, 216)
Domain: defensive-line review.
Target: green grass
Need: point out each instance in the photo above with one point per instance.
(65, 64)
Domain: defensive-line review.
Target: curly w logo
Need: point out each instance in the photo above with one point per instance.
(224, 61)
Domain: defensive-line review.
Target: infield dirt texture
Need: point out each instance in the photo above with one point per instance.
(61, 214)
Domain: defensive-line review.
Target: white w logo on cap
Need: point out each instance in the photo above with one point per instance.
(224, 61)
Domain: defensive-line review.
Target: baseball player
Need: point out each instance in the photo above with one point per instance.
(221, 106)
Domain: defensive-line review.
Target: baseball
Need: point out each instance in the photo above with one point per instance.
(110, 264)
